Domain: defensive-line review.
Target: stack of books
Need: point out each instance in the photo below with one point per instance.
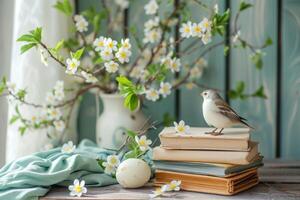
(224, 164)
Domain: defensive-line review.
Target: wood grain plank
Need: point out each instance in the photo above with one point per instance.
(290, 80)
(256, 25)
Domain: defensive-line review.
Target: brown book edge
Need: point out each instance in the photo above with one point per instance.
(229, 187)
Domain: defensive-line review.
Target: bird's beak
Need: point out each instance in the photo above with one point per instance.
(201, 94)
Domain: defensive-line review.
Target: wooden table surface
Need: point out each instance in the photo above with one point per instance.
(278, 180)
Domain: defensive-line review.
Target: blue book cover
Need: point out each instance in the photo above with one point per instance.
(211, 169)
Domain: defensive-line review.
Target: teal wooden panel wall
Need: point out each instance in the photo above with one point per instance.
(290, 98)
(256, 24)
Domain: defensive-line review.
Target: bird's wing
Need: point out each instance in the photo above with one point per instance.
(226, 110)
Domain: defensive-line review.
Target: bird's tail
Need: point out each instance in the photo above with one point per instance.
(246, 124)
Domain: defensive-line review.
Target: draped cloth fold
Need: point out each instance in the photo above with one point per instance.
(32, 176)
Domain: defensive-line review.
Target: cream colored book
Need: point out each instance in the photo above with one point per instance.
(207, 156)
(232, 139)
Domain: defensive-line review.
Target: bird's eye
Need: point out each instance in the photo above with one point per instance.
(205, 93)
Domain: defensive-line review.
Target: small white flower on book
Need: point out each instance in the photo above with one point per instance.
(181, 127)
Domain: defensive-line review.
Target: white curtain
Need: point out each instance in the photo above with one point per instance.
(6, 22)
(28, 72)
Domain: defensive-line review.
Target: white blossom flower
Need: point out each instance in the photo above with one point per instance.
(59, 125)
(165, 89)
(44, 56)
(236, 37)
(99, 43)
(206, 38)
(77, 189)
(143, 142)
(151, 23)
(89, 78)
(81, 23)
(197, 30)
(174, 185)
(111, 67)
(122, 3)
(175, 65)
(136, 72)
(48, 146)
(54, 113)
(152, 95)
(106, 54)
(153, 35)
(190, 85)
(216, 8)
(186, 29)
(68, 147)
(206, 25)
(72, 65)
(11, 87)
(181, 127)
(109, 169)
(123, 55)
(201, 63)
(59, 94)
(125, 44)
(87, 61)
(111, 44)
(50, 98)
(158, 192)
(34, 120)
(113, 160)
(196, 72)
(151, 7)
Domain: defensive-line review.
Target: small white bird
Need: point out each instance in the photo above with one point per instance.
(218, 113)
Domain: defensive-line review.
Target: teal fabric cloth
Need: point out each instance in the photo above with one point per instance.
(32, 176)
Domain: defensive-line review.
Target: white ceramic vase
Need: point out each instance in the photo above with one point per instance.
(114, 120)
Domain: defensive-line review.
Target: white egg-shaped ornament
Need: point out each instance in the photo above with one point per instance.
(133, 173)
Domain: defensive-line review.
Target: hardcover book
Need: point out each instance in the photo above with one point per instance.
(209, 184)
(208, 156)
(232, 139)
(210, 169)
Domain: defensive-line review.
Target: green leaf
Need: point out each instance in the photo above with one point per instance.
(130, 154)
(131, 101)
(168, 120)
(21, 94)
(64, 6)
(99, 61)
(26, 47)
(124, 81)
(37, 33)
(26, 38)
(260, 92)
(226, 50)
(13, 119)
(4, 80)
(268, 42)
(22, 129)
(244, 6)
(77, 55)
(233, 94)
(100, 163)
(131, 134)
(240, 87)
(59, 45)
(2, 88)
(257, 59)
